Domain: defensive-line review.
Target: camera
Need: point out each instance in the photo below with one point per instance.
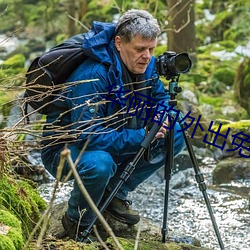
(171, 65)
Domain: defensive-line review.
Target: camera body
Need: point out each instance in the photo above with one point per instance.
(171, 65)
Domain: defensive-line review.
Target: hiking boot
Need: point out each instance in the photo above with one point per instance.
(121, 211)
(75, 231)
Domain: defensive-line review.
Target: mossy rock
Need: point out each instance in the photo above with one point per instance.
(11, 237)
(128, 244)
(235, 127)
(233, 134)
(231, 169)
(225, 75)
(219, 104)
(21, 199)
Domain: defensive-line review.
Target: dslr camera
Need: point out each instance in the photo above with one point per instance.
(171, 65)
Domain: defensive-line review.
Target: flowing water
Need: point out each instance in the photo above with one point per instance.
(187, 212)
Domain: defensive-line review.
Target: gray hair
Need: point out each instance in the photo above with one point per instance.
(137, 22)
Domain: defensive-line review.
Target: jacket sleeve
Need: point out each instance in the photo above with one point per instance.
(89, 118)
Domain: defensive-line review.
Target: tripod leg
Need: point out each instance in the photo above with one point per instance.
(168, 173)
(202, 186)
(126, 173)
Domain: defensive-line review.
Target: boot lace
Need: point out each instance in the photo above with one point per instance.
(127, 203)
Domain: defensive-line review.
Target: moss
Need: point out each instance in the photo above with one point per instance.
(13, 239)
(16, 61)
(16, 237)
(22, 200)
(225, 75)
(9, 219)
(214, 101)
(128, 244)
(228, 45)
(243, 125)
(6, 243)
(13, 70)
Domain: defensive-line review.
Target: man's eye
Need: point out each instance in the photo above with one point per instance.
(151, 50)
(139, 50)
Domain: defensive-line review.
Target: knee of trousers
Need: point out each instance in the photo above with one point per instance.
(98, 165)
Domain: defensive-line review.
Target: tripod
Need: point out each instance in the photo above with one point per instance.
(173, 90)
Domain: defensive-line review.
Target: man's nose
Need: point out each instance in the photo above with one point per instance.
(146, 54)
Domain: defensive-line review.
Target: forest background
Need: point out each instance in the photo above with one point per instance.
(216, 34)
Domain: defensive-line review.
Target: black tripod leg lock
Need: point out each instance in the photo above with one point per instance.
(201, 182)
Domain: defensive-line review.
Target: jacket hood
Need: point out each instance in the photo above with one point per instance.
(98, 43)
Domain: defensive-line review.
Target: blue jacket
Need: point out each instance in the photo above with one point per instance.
(92, 114)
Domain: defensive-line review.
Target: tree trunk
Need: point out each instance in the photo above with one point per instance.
(71, 6)
(181, 27)
(83, 7)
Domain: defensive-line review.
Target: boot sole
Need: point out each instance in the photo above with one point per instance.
(121, 219)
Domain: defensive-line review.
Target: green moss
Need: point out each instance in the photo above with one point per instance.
(6, 243)
(128, 244)
(243, 125)
(16, 237)
(13, 70)
(225, 75)
(16, 61)
(21, 199)
(214, 101)
(13, 239)
(9, 219)
(228, 45)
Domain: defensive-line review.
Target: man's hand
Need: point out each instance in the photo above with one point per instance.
(162, 131)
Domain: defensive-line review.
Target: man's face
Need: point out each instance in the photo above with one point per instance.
(137, 53)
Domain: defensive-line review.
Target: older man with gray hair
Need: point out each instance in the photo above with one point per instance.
(108, 116)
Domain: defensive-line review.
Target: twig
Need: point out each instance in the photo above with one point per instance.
(77, 21)
(66, 155)
(137, 236)
(99, 238)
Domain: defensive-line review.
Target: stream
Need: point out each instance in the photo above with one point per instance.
(187, 212)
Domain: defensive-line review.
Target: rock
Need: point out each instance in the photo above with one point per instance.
(149, 237)
(231, 169)
(181, 179)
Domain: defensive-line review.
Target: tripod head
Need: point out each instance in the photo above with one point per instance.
(174, 89)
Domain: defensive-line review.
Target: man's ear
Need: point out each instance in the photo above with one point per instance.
(118, 42)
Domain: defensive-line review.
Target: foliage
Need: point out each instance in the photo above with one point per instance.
(227, 21)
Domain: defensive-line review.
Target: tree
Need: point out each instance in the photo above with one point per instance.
(181, 26)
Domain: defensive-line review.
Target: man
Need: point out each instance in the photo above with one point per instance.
(107, 115)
